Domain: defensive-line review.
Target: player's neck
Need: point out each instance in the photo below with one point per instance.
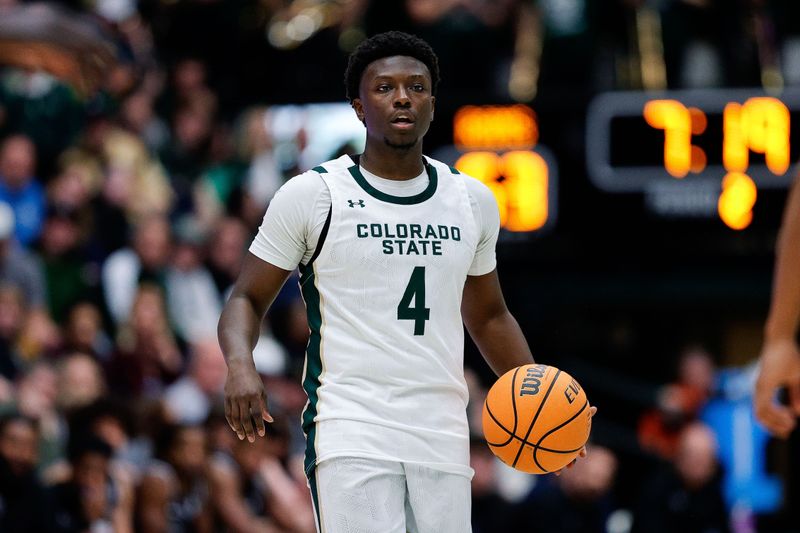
(392, 163)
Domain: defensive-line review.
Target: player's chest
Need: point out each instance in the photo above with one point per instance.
(436, 230)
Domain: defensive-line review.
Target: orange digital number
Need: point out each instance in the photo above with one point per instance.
(736, 202)
(518, 180)
(679, 124)
(761, 125)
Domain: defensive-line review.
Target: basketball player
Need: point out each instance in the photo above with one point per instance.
(395, 249)
(780, 357)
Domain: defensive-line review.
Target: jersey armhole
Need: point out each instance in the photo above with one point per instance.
(322, 236)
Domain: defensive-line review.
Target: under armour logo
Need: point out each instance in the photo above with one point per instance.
(353, 203)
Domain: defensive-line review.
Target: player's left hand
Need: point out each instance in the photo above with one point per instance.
(582, 453)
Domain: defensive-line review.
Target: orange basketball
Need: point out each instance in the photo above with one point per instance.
(536, 418)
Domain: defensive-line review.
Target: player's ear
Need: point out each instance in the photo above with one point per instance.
(359, 109)
(433, 106)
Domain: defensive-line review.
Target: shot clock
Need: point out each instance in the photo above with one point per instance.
(724, 144)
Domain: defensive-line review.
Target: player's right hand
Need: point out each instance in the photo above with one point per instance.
(246, 402)
(779, 367)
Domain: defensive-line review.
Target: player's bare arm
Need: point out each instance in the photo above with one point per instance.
(245, 398)
(780, 357)
(492, 327)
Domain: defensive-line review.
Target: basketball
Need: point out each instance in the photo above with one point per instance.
(536, 418)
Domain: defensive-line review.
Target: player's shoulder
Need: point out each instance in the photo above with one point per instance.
(334, 166)
(312, 182)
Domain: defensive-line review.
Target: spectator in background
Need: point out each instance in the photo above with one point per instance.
(83, 331)
(80, 382)
(37, 391)
(145, 260)
(147, 356)
(173, 495)
(13, 315)
(188, 84)
(111, 419)
(65, 262)
(580, 500)
(226, 249)
(192, 299)
(219, 188)
(686, 496)
(186, 157)
(264, 177)
(23, 506)
(679, 404)
(19, 187)
(92, 499)
(135, 180)
(17, 266)
(139, 117)
(251, 494)
(78, 180)
(190, 399)
(132, 185)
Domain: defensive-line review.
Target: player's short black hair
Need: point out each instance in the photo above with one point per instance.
(390, 43)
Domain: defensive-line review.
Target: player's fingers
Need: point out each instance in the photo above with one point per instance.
(264, 411)
(258, 407)
(247, 419)
(583, 452)
(228, 413)
(592, 411)
(777, 419)
(236, 419)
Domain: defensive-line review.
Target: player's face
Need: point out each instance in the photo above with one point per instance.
(395, 101)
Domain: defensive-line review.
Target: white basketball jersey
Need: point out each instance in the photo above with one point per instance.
(384, 365)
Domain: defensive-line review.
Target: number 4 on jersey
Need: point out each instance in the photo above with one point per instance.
(416, 290)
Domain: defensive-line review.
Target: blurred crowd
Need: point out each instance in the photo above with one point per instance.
(124, 217)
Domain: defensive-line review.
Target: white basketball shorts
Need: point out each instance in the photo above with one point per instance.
(353, 494)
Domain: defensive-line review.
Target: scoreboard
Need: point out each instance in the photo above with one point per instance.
(499, 146)
(723, 143)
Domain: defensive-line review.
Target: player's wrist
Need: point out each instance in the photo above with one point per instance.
(777, 333)
(241, 364)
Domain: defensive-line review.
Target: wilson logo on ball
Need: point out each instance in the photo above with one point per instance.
(532, 380)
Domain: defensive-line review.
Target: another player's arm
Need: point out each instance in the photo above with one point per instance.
(492, 327)
(239, 326)
(780, 357)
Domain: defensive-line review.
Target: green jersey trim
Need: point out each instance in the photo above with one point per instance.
(433, 181)
(311, 380)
